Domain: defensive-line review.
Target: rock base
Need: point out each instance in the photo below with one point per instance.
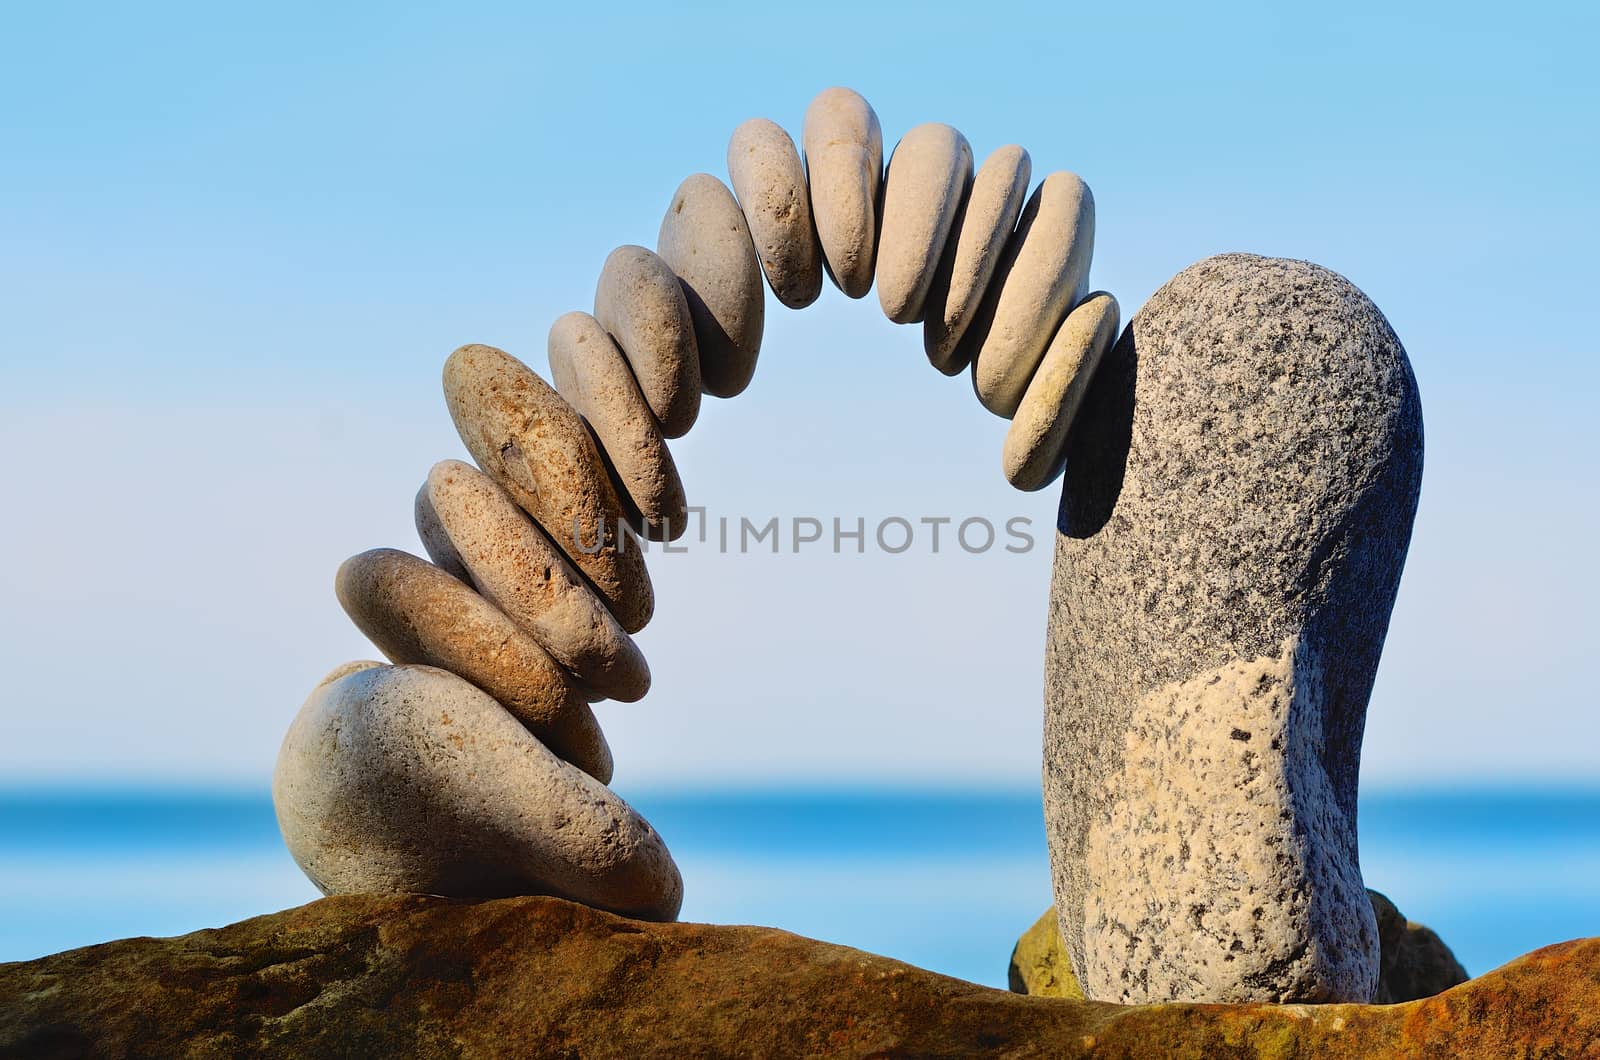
(1414, 962)
(429, 977)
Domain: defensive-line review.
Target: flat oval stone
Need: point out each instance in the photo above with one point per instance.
(770, 181)
(1043, 273)
(704, 239)
(435, 541)
(641, 303)
(591, 373)
(844, 169)
(536, 447)
(416, 613)
(1036, 445)
(978, 238)
(516, 567)
(407, 779)
(928, 177)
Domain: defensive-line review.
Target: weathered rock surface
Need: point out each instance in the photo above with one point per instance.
(408, 780)
(529, 440)
(414, 976)
(843, 146)
(1415, 962)
(416, 613)
(770, 181)
(1237, 504)
(704, 239)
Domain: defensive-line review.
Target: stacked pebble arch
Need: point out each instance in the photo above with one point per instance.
(471, 764)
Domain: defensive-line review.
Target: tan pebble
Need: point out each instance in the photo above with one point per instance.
(1043, 273)
(844, 170)
(516, 567)
(409, 780)
(977, 240)
(535, 445)
(416, 613)
(1036, 445)
(435, 541)
(591, 373)
(928, 177)
(705, 240)
(770, 181)
(641, 303)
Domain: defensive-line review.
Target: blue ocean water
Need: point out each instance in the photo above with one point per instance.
(945, 880)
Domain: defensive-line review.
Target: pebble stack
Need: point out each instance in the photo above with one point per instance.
(471, 764)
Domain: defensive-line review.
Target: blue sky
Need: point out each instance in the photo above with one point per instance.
(235, 248)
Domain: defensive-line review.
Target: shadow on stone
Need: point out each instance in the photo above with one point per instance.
(1097, 447)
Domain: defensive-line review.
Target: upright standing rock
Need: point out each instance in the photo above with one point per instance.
(1238, 499)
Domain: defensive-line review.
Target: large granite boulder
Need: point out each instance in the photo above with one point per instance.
(407, 975)
(1238, 499)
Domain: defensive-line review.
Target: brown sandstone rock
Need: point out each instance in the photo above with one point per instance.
(414, 976)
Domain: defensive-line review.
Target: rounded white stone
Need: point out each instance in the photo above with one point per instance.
(407, 779)
(928, 177)
(843, 146)
(704, 239)
(1043, 273)
(1036, 445)
(979, 236)
(770, 181)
